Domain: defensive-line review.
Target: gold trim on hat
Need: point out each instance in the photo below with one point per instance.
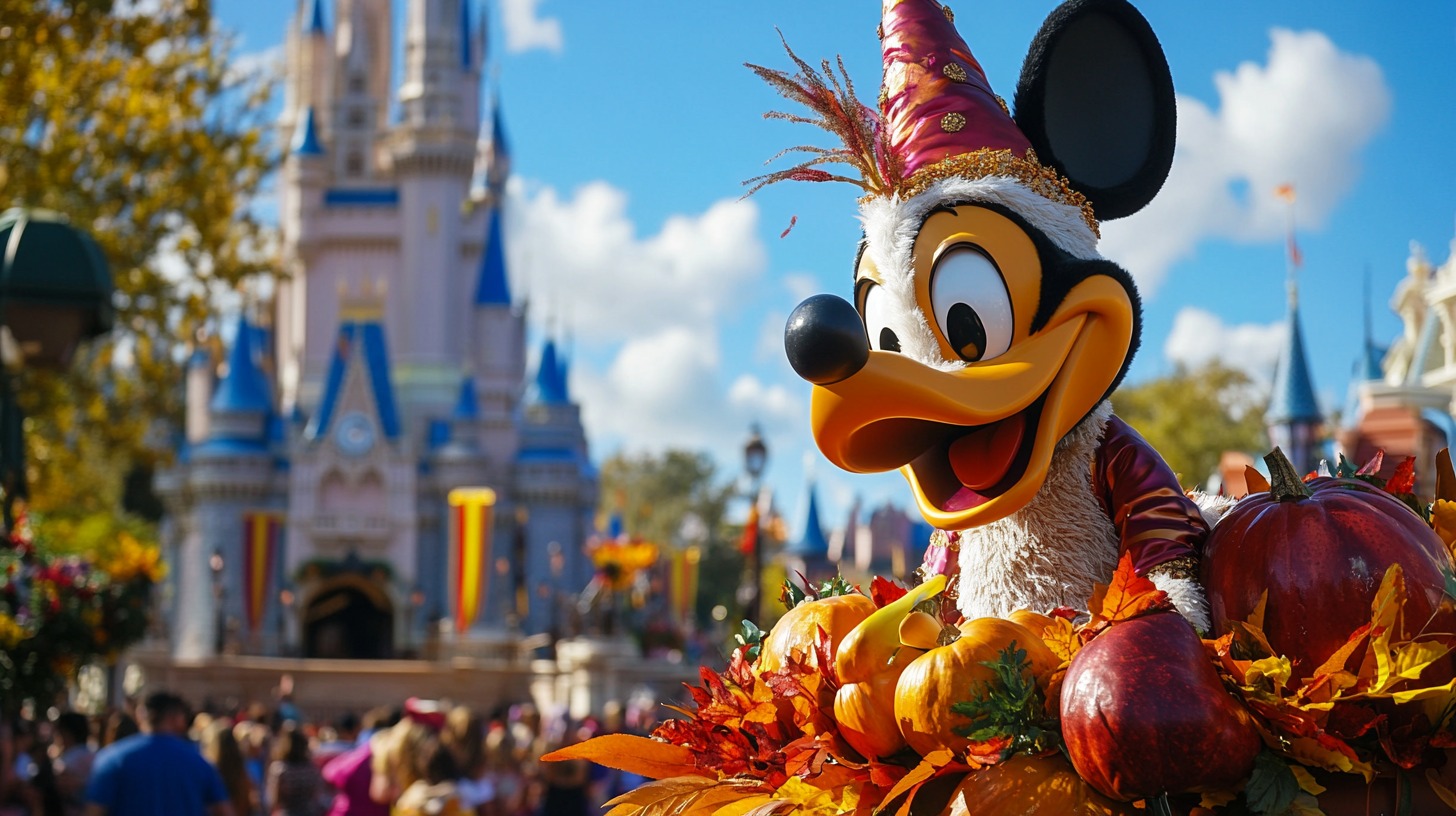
(1042, 180)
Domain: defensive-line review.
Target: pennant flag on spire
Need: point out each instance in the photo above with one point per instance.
(1285, 193)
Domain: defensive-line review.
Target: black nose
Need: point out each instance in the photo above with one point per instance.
(825, 340)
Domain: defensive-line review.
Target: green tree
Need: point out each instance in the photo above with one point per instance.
(137, 125)
(655, 495)
(1193, 415)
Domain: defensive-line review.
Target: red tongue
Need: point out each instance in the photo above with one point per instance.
(982, 458)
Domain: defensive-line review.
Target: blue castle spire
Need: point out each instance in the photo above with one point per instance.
(491, 287)
(244, 389)
(550, 384)
(1293, 399)
(305, 137)
(467, 406)
(811, 543)
(314, 17)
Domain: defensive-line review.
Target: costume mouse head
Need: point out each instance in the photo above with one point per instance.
(985, 326)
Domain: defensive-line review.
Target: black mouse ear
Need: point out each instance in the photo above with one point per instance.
(1096, 101)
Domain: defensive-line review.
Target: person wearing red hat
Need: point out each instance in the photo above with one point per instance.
(986, 332)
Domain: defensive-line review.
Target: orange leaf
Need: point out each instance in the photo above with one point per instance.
(1403, 480)
(633, 754)
(1128, 596)
(1061, 637)
(1255, 480)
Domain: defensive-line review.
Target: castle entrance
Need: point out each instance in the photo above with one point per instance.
(349, 618)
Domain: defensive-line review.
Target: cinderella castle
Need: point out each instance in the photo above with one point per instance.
(310, 510)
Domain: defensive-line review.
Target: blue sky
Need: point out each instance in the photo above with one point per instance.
(633, 124)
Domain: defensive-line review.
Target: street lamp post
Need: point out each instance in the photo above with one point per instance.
(55, 291)
(215, 564)
(755, 455)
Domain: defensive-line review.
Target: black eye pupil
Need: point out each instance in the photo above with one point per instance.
(888, 340)
(966, 333)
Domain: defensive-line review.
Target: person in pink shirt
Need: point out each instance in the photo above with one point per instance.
(350, 773)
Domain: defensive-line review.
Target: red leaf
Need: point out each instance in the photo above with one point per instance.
(793, 219)
(1065, 612)
(824, 652)
(1349, 721)
(884, 592)
(1403, 481)
(1372, 467)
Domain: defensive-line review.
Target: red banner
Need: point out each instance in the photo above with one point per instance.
(471, 512)
(262, 530)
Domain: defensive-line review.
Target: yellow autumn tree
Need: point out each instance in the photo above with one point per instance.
(134, 120)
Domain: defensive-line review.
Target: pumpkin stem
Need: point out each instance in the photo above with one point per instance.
(1284, 481)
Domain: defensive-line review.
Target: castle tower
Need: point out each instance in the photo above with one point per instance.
(809, 553)
(353, 499)
(1293, 418)
(398, 361)
(232, 473)
(557, 487)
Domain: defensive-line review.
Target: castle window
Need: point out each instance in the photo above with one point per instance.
(356, 83)
(356, 117)
(354, 164)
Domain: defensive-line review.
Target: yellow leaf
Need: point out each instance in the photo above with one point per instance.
(1423, 694)
(1277, 669)
(626, 752)
(1443, 518)
(749, 805)
(1444, 793)
(1385, 624)
(1217, 799)
(1412, 658)
(1306, 780)
(1307, 751)
(1060, 637)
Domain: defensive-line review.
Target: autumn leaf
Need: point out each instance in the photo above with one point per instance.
(1372, 467)
(883, 591)
(1445, 794)
(1255, 480)
(679, 794)
(1403, 480)
(1128, 596)
(1060, 636)
(1443, 519)
(633, 754)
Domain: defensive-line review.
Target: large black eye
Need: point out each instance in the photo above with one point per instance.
(971, 304)
(888, 340)
(875, 306)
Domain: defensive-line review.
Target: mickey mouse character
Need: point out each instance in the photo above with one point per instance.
(986, 332)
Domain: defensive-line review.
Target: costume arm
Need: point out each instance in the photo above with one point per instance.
(1156, 523)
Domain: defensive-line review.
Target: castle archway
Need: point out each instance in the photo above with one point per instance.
(348, 617)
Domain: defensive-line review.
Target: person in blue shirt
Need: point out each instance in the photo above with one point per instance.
(157, 772)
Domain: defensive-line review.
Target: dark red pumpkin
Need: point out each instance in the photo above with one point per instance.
(1321, 550)
(1144, 713)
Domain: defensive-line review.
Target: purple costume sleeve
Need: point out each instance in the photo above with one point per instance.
(1155, 520)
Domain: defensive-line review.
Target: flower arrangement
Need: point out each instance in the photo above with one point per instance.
(59, 612)
(866, 702)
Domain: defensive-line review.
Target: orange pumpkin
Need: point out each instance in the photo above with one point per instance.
(942, 677)
(797, 631)
(1034, 621)
(1031, 786)
(865, 711)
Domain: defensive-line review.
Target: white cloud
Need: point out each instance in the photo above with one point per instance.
(664, 390)
(526, 30)
(1199, 337)
(770, 344)
(1303, 118)
(583, 255)
(250, 66)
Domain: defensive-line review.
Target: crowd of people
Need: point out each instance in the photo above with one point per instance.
(422, 758)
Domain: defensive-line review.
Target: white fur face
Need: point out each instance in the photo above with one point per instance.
(891, 225)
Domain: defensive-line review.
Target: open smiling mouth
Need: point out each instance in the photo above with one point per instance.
(965, 467)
